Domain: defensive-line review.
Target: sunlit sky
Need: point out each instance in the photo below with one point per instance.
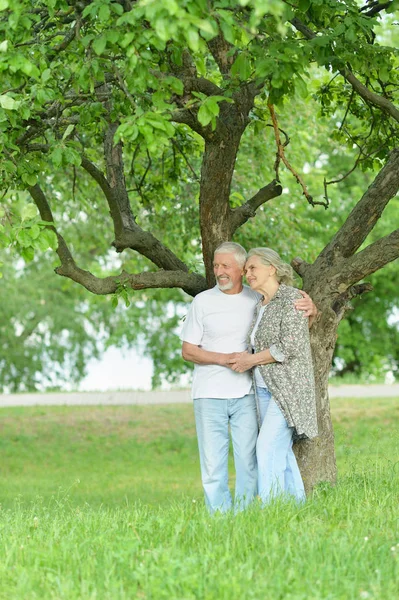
(118, 371)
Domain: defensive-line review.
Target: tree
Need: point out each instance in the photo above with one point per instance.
(117, 89)
(46, 328)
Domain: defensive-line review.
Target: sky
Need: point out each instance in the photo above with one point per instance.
(118, 370)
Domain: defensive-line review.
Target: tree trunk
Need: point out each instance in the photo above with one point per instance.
(216, 174)
(316, 458)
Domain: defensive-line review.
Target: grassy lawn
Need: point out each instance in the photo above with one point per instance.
(106, 502)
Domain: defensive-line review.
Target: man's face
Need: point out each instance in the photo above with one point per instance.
(228, 273)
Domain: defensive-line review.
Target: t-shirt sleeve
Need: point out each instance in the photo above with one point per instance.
(193, 328)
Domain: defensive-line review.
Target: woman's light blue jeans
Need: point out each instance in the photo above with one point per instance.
(278, 470)
(212, 418)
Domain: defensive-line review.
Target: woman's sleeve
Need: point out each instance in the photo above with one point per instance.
(294, 334)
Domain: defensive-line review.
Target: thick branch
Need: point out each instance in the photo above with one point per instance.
(221, 51)
(98, 176)
(241, 214)
(366, 213)
(191, 283)
(362, 90)
(188, 116)
(369, 260)
(300, 266)
(42, 204)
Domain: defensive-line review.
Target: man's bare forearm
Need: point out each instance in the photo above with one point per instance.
(199, 356)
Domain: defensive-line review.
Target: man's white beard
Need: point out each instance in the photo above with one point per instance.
(223, 287)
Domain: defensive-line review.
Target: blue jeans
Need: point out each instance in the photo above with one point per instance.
(212, 418)
(279, 474)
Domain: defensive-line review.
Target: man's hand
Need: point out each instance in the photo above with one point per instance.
(241, 362)
(306, 304)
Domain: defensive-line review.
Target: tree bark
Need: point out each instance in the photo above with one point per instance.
(216, 174)
(316, 458)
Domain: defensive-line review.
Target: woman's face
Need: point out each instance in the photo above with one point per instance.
(257, 273)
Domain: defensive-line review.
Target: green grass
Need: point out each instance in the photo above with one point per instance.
(134, 526)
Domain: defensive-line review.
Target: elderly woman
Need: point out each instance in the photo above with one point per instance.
(283, 374)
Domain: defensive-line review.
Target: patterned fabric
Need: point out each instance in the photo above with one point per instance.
(284, 331)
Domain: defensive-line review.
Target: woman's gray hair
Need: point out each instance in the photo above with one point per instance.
(284, 271)
(240, 254)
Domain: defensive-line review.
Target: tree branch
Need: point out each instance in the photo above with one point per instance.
(127, 233)
(367, 95)
(369, 260)
(365, 214)
(42, 204)
(191, 283)
(374, 8)
(370, 96)
(280, 155)
(188, 116)
(241, 214)
(221, 51)
(97, 175)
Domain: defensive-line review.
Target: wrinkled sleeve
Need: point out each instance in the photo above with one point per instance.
(193, 327)
(294, 334)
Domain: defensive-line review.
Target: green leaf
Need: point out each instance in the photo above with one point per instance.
(304, 5)
(56, 156)
(29, 178)
(50, 238)
(35, 231)
(104, 12)
(205, 115)
(117, 8)
(192, 39)
(23, 238)
(28, 253)
(241, 67)
(4, 4)
(8, 102)
(72, 157)
(29, 211)
(301, 87)
(46, 75)
(99, 44)
(68, 131)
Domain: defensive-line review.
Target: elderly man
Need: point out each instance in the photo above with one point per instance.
(216, 327)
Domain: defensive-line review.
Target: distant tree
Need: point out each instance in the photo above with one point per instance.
(46, 329)
(115, 89)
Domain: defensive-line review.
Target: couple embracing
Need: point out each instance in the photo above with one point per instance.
(253, 368)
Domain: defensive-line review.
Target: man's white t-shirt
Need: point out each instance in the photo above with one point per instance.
(219, 322)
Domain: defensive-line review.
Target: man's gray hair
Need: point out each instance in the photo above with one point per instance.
(239, 253)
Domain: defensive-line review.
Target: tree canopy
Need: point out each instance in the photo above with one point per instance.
(133, 94)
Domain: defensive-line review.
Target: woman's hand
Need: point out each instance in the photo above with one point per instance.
(241, 362)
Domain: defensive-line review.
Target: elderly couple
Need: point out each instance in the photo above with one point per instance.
(253, 364)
